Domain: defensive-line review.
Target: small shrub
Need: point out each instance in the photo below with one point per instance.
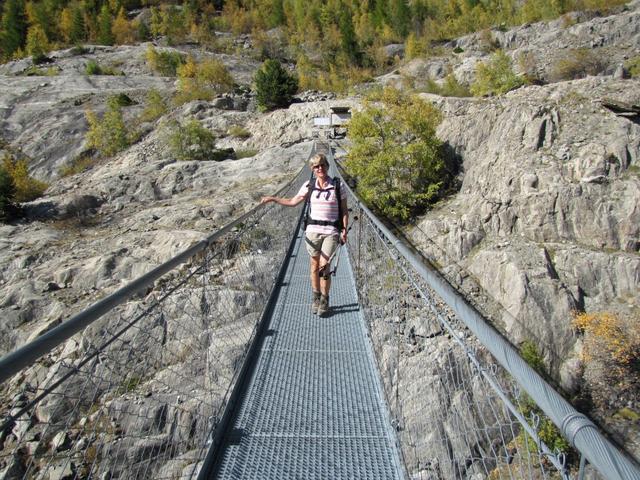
(191, 141)
(495, 77)
(531, 355)
(122, 100)
(633, 67)
(155, 107)
(7, 195)
(451, 87)
(77, 165)
(34, 71)
(238, 132)
(611, 356)
(577, 63)
(26, 187)
(108, 134)
(202, 80)
(93, 68)
(527, 65)
(246, 153)
(610, 336)
(165, 63)
(79, 50)
(275, 87)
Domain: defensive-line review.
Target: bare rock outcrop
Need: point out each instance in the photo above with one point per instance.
(547, 217)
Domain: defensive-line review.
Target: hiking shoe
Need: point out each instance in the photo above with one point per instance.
(323, 307)
(316, 303)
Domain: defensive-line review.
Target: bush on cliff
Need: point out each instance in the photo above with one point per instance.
(7, 195)
(496, 76)
(395, 155)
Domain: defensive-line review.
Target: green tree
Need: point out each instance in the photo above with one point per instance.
(155, 106)
(396, 156)
(275, 87)
(105, 25)
(37, 44)
(13, 27)
(72, 25)
(496, 76)
(348, 40)
(27, 188)
(400, 14)
(109, 134)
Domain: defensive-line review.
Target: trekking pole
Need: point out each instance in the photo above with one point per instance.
(325, 271)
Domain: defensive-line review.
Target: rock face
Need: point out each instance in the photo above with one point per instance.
(547, 217)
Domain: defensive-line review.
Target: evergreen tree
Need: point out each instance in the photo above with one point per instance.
(400, 17)
(380, 9)
(275, 87)
(276, 14)
(37, 44)
(78, 32)
(13, 27)
(105, 24)
(39, 14)
(123, 31)
(349, 42)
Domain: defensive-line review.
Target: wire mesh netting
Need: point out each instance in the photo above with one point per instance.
(138, 392)
(454, 410)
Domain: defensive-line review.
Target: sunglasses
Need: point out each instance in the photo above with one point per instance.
(322, 165)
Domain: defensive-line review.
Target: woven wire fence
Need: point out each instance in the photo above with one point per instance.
(445, 392)
(138, 392)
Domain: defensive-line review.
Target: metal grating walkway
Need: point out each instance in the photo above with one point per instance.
(313, 406)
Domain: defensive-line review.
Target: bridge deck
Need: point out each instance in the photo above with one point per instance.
(313, 406)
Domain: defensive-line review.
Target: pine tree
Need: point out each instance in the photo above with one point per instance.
(396, 156)
(13, 27)
(349, 42)
(123, 31)
(105, 24)
(37, 44)
(400, 17)
(274, 86)
(78, 32)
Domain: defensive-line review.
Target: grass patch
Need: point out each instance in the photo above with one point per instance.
(94, 68)
(34, 71)
(577, 63)
(250, 152)
(77, 165)
(238, 132)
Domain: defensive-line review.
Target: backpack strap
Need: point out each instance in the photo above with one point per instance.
(336, 182)
(307, 202)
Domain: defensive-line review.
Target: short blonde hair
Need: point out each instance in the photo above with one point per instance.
(318, 159)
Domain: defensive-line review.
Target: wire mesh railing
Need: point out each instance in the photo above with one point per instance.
(136, 389)
(464, 403)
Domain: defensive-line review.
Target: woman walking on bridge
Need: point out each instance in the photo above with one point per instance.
(325, 227)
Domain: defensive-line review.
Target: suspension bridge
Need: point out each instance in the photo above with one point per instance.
(212, 366)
